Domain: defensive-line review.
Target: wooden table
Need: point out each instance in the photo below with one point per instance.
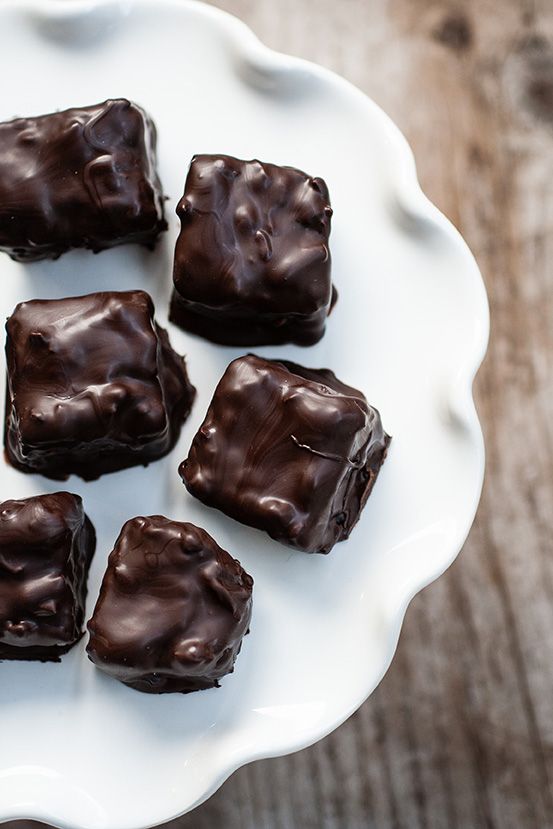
(460, 731)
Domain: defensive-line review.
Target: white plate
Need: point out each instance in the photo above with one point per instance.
(78, 749)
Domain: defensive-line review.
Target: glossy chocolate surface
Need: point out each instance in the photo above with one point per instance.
(252, 263)
(173, 608)
(289, 450)
(79, 178)
(46, 545)
(93, 385)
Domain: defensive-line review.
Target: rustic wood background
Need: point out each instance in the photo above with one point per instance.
(459, 735)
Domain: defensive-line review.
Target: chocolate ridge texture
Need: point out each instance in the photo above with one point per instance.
(252, 262)
(93, 385)
(173, 608)
(81, 178)
(46, 546)
(289, 450)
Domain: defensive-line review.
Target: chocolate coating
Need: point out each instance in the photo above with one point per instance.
(93, 385)
(289, 450)
(46, 545)
(82, 178)
(172, 610)
(252, 263)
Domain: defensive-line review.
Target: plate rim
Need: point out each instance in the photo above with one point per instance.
(414, 203)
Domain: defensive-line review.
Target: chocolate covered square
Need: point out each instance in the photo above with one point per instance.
(84, 177)
(173, 608)
(252, 263)
(289, 450)
(46, 545)
(93, 385)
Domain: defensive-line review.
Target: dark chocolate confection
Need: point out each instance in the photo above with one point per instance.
(252, 264)
(93, 385)
(173, 608)
(79, 178)
(289, 450)
(46, 545)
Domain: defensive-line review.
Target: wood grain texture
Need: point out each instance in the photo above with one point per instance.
(459, 735)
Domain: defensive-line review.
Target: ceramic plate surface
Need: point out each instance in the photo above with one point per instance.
(78, 749)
